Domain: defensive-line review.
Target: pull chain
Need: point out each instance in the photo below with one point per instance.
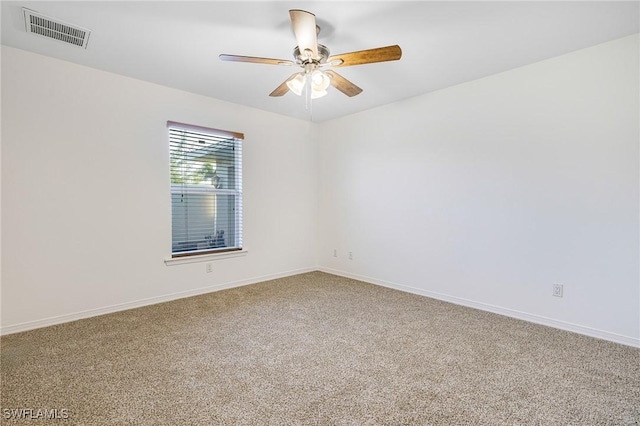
(307, 95)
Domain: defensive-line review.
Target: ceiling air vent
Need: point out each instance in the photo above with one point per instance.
(46, 26)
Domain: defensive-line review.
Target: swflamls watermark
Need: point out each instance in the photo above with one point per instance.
(35, 413)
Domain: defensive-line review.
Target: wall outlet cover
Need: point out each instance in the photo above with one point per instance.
(557, 290)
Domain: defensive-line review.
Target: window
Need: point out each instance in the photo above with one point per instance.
(206, 190)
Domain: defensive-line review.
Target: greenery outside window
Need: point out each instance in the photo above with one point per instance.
(206, 189)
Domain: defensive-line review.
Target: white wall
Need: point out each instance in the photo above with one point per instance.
(86, 221)
(484, 194)
(489, 192)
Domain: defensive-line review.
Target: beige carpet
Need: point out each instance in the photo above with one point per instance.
(317, 349)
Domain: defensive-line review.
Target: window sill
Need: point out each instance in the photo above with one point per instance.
(170, 261)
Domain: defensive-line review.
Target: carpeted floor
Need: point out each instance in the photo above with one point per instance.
(317, 349)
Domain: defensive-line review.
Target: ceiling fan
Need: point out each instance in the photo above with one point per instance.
(313, 58)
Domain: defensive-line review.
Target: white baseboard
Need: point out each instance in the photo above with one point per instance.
(600, 334)
(592, 332)
(30, 325)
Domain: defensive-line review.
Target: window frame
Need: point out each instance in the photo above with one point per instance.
(182, 188)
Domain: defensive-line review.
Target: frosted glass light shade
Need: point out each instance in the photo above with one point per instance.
(319, 80)
(297, 84)
(315, 94)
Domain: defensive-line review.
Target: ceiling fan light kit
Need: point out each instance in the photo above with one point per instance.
(312, 57)
(318, 81)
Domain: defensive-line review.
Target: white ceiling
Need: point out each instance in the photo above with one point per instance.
(177, 43)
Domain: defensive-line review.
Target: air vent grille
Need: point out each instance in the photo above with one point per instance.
(46, 26)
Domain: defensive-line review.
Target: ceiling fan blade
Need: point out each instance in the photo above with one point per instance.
(343, 85)
(255, 60)
(370, 56)
(283, 88)
(304, 27)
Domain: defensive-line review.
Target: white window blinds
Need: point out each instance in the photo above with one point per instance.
(206, 189)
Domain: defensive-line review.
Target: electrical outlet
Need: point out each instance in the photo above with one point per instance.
(557, 290)
(350, 255)
(335, 252)
(209, 268)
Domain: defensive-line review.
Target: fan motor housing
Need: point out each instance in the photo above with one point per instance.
(323, 54)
